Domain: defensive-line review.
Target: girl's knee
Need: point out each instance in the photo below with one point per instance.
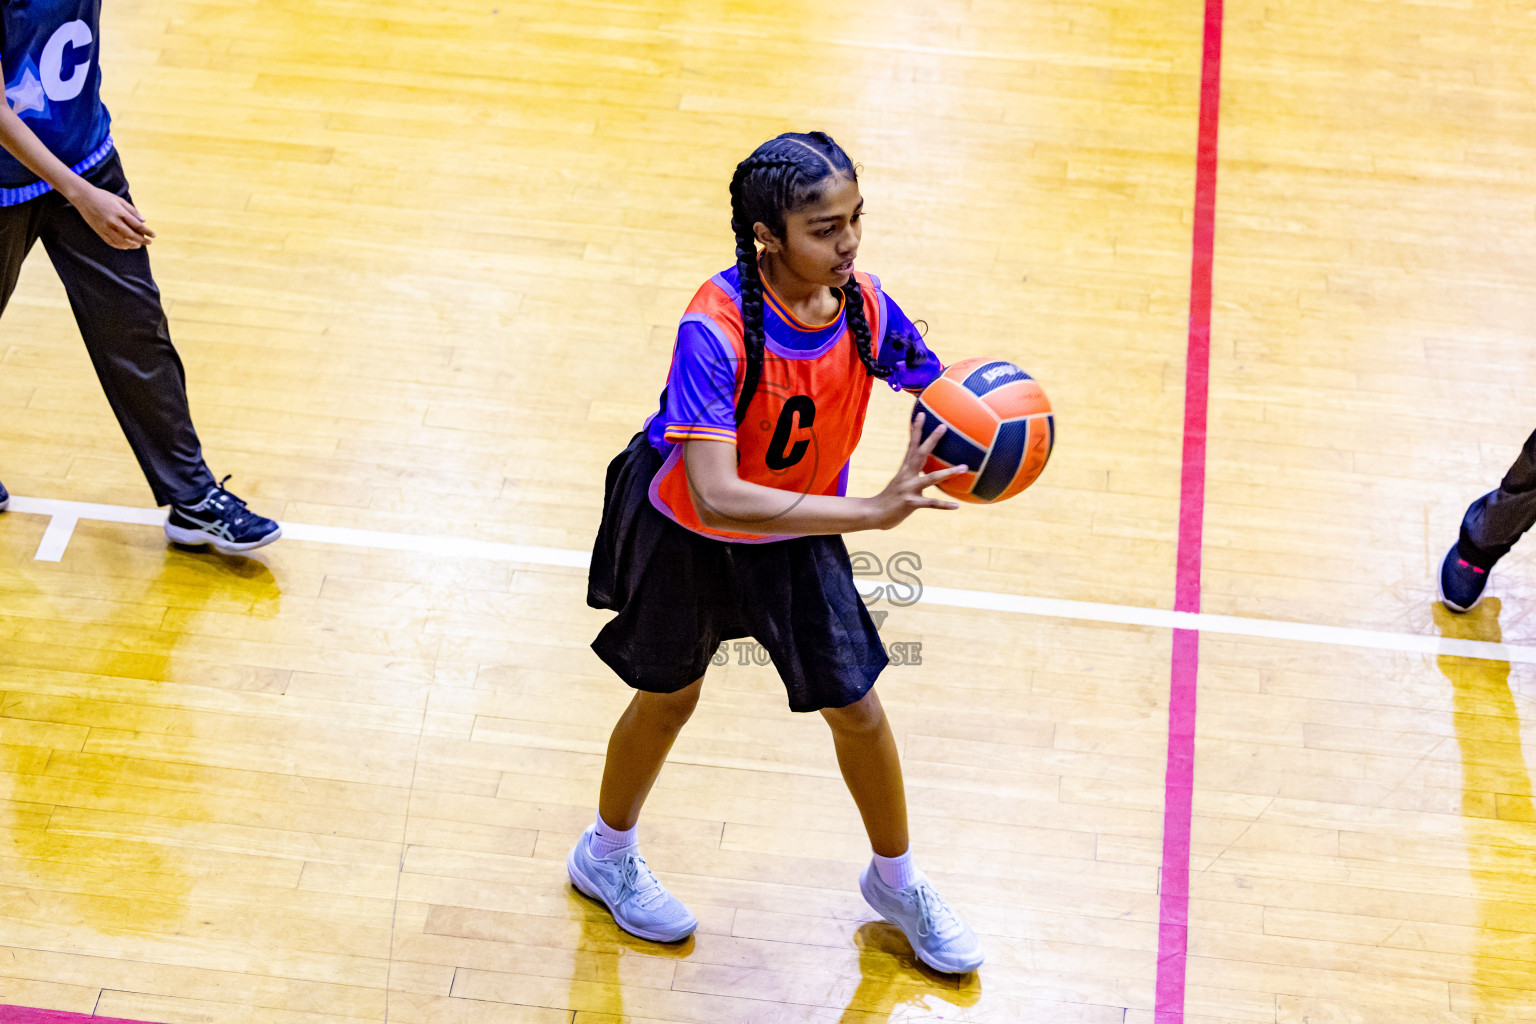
(670, 710)
(863, 715)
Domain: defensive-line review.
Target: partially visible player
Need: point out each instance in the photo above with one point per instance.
(61, 183)
(722, 519)
(1489, 529)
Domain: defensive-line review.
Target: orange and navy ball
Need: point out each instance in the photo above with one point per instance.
(1000, 425)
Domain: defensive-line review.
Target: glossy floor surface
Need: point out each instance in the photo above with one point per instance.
(424, 264)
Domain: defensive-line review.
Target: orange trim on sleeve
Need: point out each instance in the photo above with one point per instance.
(698, 433)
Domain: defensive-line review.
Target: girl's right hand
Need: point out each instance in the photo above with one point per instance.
(904, 494)
(113, 218)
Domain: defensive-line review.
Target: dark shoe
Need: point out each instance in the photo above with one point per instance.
(1461, 582)
(5, 498)
(220, 519)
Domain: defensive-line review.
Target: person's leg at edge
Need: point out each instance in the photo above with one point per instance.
(19, 226)
(117, 307)
(1499, 518)
(18, 232)
(1491, 526)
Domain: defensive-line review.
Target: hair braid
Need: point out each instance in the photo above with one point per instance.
(858, 326)
(751, 278)
(751, 316)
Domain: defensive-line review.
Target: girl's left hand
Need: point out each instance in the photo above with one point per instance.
(904, 494)
(113, 218)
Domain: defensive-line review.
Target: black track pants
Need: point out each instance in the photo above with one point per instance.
(117, 306)
(1497, 519)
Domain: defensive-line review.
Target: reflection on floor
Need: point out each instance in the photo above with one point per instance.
(895, 986)
(1496, 804)
(97, 832)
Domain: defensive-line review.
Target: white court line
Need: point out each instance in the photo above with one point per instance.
(448, 547)
(86, 510)
(55, 539)
(342, 536)
(65, 513)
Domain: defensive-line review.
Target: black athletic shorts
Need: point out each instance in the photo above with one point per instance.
(679, 594)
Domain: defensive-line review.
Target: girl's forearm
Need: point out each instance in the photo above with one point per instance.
(743, 507)
(23, 144)
(724, 501)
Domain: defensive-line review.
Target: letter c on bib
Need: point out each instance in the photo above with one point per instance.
(780, 456)
(71, 35)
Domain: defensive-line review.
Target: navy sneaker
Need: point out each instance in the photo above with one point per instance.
(5, 498)
(220, 519)
(1461, 582)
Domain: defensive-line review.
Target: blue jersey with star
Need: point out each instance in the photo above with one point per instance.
(50, 51)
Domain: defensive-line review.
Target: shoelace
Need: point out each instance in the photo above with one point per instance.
(231, 507)
(934, 916)
(639, 882)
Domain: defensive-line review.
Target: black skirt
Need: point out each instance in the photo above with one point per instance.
(679, 594)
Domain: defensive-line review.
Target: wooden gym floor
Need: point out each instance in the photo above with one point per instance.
(424, 263)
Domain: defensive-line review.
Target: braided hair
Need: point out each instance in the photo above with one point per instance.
(781, 176)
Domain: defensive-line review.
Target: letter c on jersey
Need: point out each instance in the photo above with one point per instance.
(800, 408)
(74, 35)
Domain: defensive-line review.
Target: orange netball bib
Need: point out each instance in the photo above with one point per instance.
(804, 419)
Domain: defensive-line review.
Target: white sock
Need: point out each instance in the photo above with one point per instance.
(606, 838)
(898, 872)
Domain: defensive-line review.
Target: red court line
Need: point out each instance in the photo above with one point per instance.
(1179, 782)
(23, 1015)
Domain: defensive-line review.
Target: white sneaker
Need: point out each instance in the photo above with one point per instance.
(624, 884)
(938, 936)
